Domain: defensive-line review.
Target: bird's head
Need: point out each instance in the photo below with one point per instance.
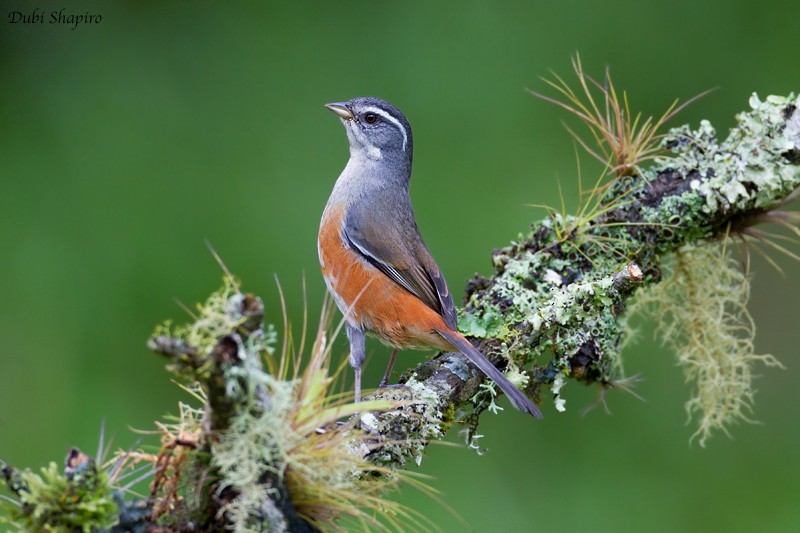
(375, 128)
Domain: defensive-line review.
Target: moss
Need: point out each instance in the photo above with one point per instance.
(79, 499)
(448, 417)
(225, 312)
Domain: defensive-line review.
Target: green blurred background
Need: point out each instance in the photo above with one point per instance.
(124, 145)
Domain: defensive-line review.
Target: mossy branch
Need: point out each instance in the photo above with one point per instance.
(275, 450)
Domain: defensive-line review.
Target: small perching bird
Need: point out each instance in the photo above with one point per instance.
(373, 259)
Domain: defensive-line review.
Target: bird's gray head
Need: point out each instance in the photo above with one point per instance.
(375, 128)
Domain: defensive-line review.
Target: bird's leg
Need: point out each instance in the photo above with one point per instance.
(357, 384)
(357, 356)
(389, 368)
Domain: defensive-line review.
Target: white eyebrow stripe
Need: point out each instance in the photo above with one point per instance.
(391, 119)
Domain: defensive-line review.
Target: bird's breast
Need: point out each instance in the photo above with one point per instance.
(369, 299)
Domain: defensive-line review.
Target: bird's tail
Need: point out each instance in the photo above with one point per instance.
(518, 399)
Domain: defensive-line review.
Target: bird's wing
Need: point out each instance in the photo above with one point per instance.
(399, 252)
(447, 307)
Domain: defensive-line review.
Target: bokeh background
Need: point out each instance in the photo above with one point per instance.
(124, 145)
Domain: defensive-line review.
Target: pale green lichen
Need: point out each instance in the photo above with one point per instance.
(750, 168)
(568, 305)
(517, 377)
(702, 314)
(419, 419)
(558, 384)
(471, 441)
(256, 444)
(561, 319)
(485, 398)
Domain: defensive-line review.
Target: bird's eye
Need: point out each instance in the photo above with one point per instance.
(370, 118)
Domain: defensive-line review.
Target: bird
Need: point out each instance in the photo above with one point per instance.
(375, 264)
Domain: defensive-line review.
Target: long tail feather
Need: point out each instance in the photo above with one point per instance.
(518, 399)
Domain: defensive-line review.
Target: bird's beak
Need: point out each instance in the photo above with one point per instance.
(341, 109)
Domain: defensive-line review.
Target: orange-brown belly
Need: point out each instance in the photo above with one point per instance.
(371, 300)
